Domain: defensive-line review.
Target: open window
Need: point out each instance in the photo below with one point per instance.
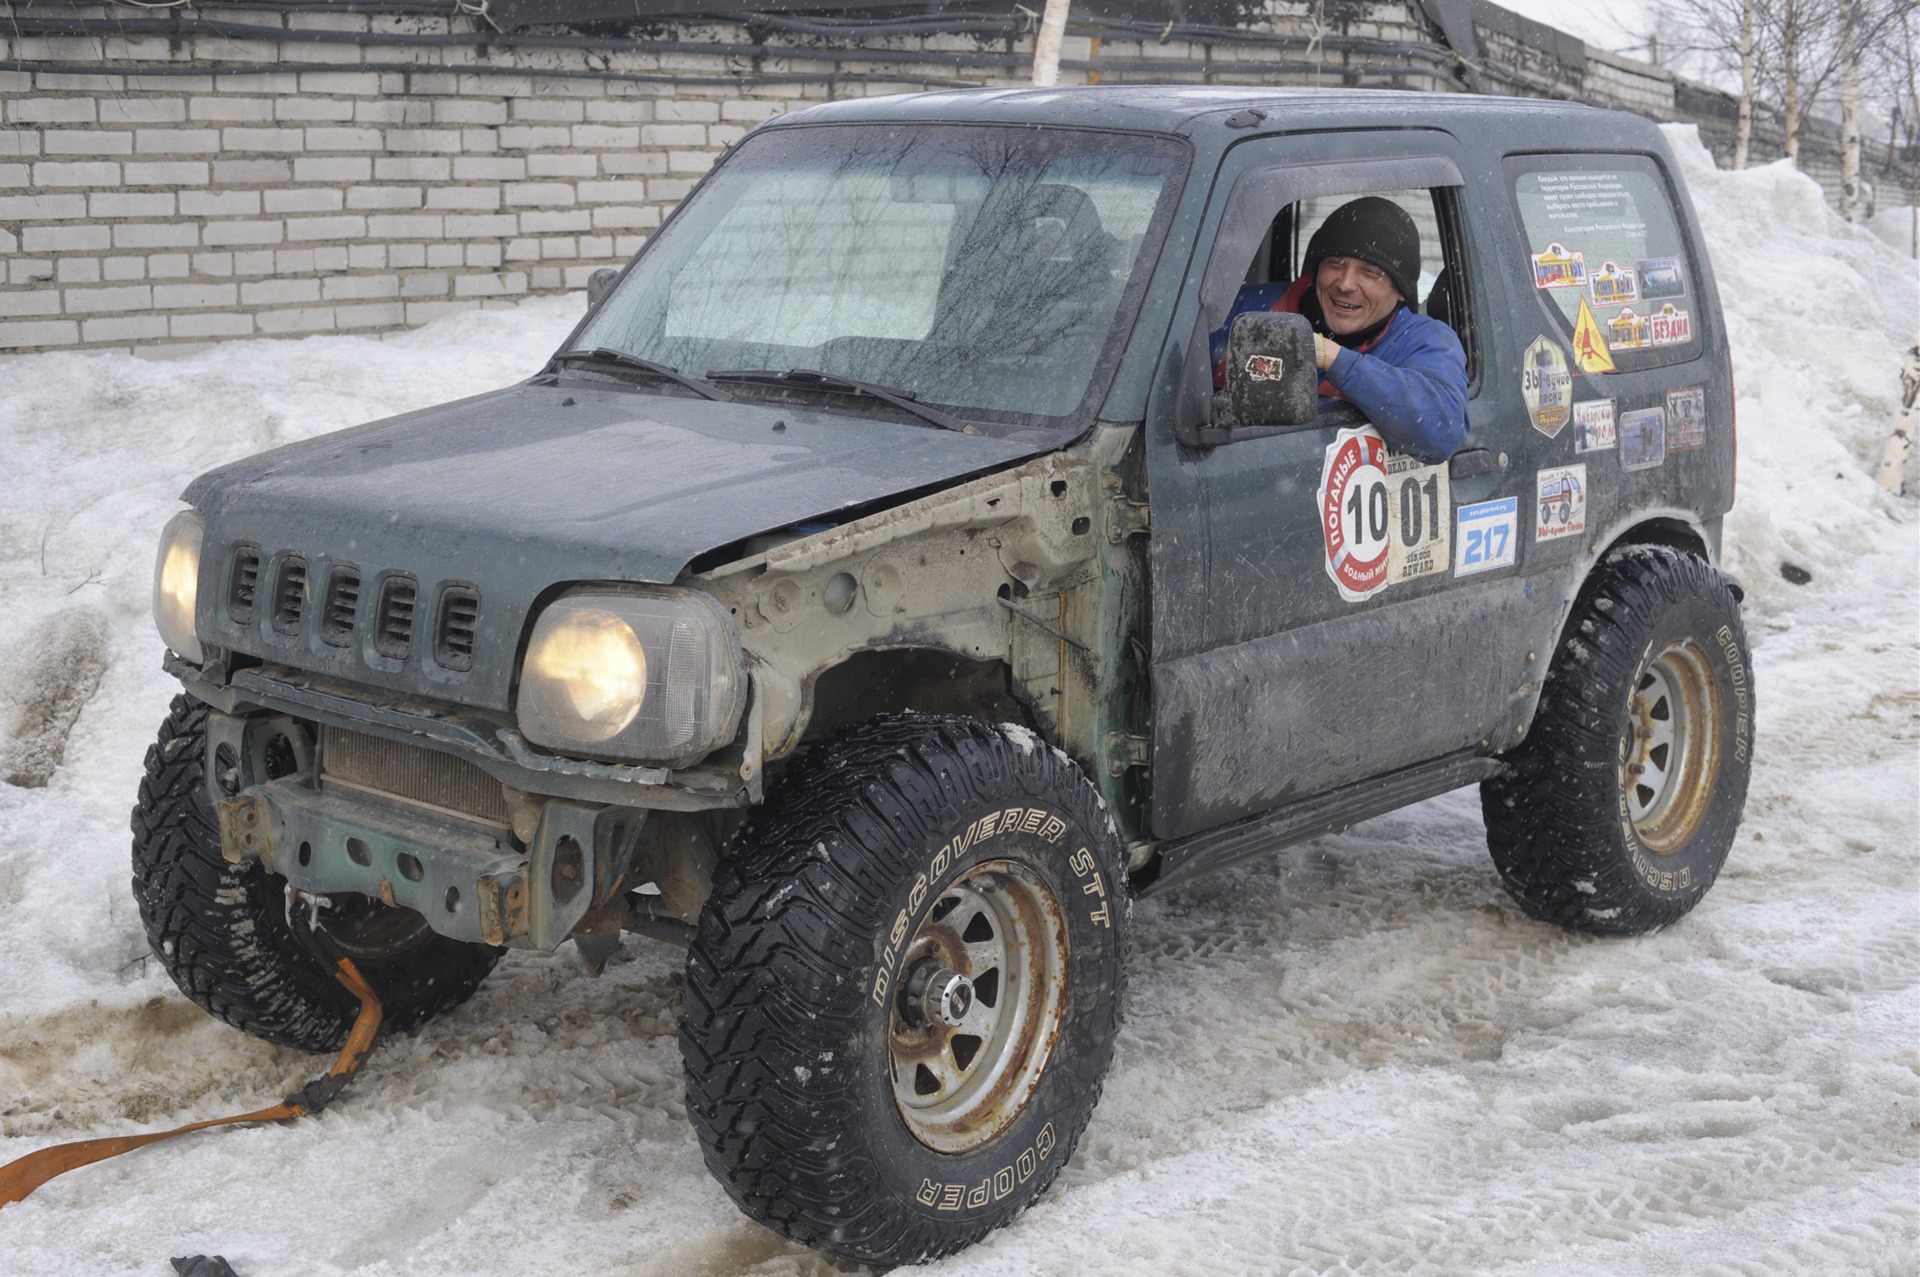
(1259, 254)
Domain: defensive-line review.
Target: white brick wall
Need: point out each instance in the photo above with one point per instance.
(187, 208)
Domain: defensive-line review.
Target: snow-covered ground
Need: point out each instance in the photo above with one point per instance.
(1355, 1057)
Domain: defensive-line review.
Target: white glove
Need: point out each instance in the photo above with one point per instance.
(1324, 352)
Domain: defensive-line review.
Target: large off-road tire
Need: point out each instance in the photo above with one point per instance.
(229, 939)
(1621, 806)
(913, 872)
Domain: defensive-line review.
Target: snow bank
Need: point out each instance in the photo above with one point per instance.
(1820, 314)
(1352, 1058)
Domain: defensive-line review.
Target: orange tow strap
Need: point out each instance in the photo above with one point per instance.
(18, 1179)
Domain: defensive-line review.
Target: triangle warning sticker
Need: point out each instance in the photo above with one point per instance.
(1590, 353)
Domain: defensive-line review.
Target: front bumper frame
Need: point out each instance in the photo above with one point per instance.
(486, 741)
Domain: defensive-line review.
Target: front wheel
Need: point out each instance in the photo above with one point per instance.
(1621, 807)
(234, 943)
(905, 989)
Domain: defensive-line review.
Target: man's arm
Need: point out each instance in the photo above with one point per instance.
(1413, 388)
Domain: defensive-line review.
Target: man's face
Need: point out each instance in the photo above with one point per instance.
(1353, 294)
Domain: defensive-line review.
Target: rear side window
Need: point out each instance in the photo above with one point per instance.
(1606, 258)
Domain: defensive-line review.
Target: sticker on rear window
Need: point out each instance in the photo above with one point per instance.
(1484, 539)
(1628, 331)
(1687, 419)
(1590, 353)
(1613, 284)
(1559, 267)
(1661, 277)
(1643, 438)
(1669, 327)
(1561, 499)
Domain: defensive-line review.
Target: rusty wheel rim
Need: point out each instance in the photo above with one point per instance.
(979, 1006)
(1671, 752)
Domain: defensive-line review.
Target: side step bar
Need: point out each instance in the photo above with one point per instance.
(1185, 859)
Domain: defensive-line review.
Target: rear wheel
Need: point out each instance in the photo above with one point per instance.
(905, 989)
(1620, 808)
(240, 948)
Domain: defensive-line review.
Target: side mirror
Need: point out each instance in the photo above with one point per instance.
(1271, 378)
(598, 283)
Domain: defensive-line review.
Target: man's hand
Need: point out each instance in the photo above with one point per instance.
(1324, 352)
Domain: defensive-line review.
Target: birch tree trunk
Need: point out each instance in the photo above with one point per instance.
(1893, 458)
(1046, 47)
(1849, 113)
(1790, 57)
(1743, 135)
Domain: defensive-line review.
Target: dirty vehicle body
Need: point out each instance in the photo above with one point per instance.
(874, 595)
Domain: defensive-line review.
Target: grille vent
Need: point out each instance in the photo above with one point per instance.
(407, 771)
(393, 626)
(459, 621)
(244, 584)
(290, 594)
(342, 603)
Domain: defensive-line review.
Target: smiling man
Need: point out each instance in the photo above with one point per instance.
(1406, 372)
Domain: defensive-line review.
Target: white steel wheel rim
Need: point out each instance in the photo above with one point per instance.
(1672, 749)
(959, 1085)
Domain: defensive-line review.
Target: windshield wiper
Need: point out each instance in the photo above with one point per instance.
(813, 378)
(621, 359)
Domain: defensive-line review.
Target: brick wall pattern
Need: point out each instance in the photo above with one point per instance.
(176, 191)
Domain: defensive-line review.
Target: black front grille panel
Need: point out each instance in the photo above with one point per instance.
(342, 607)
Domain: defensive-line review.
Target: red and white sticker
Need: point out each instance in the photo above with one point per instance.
(1561, 500)
(1356, 513)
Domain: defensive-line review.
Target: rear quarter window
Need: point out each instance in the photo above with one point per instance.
(1606, 258)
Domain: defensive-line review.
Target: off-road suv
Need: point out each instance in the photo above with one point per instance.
(874, 595)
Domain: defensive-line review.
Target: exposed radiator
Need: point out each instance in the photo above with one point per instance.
(407, 771)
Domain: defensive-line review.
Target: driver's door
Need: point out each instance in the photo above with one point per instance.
(1317, 617)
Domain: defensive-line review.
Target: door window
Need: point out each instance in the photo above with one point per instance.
(1441, 292)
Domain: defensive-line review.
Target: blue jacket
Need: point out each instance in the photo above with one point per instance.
(1410, 381)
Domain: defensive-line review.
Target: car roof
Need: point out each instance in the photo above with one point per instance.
(1172, 108)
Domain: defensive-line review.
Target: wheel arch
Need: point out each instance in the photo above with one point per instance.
(915, 678)
(1672, 529)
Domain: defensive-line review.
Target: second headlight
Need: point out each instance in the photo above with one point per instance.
(650, 674)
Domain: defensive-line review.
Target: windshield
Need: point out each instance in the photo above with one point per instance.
(991, 271)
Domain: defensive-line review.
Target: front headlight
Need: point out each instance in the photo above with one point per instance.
(176, 583)
(643, 674)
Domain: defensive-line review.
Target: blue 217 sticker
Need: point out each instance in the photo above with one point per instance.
(1486, 538)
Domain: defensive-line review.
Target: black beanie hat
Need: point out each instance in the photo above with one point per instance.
(1374, 230)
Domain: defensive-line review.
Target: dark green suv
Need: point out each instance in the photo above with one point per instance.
(886, 583)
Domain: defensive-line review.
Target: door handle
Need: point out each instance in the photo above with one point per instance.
(1470, 463)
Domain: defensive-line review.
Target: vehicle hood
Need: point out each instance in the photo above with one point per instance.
(514, 492)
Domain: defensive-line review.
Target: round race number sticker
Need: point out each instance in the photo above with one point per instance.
(1355, 513)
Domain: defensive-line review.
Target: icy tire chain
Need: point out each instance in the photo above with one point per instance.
(221, 930)
(788, 935)
(1553, 820)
